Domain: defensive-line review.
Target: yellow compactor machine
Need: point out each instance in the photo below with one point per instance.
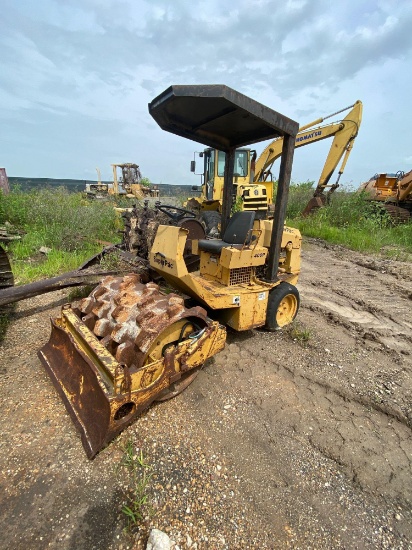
(128, 344)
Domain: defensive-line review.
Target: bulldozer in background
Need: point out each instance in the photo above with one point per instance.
(253, 177)
(128, 344)
(393, 192)
(127, 181)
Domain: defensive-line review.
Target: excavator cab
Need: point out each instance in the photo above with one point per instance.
(253, 196)
(128, 344)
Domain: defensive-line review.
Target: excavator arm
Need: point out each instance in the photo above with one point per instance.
(343, 132)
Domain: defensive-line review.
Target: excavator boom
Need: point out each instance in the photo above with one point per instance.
(343, 132)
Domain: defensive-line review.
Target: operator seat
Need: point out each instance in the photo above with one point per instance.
(237, 230)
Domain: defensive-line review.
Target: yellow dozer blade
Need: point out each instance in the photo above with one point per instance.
(126, 345)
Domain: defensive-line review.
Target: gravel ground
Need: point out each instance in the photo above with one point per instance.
(296, 439)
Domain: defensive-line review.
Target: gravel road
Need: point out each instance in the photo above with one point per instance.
(294, 439)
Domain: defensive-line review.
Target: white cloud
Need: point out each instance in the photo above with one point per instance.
(90, 67)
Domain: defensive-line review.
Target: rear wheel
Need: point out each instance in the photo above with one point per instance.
(283, 306)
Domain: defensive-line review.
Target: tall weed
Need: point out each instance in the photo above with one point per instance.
(299, 196)
(64, 222)
(351, 220)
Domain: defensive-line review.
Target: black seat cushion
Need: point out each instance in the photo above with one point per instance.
(235, 235)
(238, 227)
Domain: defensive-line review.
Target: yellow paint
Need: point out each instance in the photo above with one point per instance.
(227, 281)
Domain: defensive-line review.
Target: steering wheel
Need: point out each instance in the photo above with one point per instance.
(175, 213)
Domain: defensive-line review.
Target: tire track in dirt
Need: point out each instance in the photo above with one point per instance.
(374, 449)
(373, 301)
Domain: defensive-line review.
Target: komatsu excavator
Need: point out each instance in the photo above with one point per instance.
(253, 178)
(128, 344)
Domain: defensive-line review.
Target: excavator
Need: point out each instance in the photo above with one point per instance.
(253, 178)
(130, 182)
(129, 343)
(393, 192)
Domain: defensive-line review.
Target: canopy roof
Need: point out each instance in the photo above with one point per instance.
(218, 116)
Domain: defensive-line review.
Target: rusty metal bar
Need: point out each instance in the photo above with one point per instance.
(72, 278)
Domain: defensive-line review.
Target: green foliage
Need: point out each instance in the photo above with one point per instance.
(237, 205)
(352, 221)
(134, 468)
(299, 196)
(111, 260)
(298, 332)
(145, 182)
(57, 219)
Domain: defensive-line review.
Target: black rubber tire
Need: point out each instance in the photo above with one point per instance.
(211, 220)
(283, 306)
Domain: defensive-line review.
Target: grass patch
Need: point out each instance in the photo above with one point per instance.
(64, 222)
(134, 468)
(352, 221)
(299, 333)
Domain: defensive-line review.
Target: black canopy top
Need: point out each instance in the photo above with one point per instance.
(218, 116)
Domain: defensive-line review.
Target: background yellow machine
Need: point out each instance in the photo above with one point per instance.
(253, 180)
(393, 192)
(128, 344)
(127, 181)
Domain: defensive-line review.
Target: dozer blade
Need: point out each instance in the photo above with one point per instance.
(126, 345)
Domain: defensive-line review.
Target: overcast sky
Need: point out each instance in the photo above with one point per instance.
(76, 77)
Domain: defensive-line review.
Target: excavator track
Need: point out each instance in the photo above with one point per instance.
(398, 215)
(126, 345)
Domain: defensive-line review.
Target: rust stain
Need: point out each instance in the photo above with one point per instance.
(111, 354)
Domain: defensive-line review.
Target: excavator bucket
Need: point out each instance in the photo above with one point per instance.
(126, 345)
(314, 204)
